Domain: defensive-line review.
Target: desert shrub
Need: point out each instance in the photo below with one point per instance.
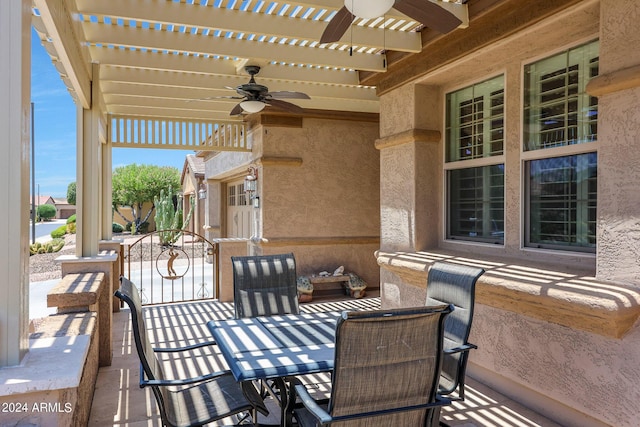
(59, 232)
(143, 228)
(71, 228)
(117, 228)
(71, 219)
(46, 212)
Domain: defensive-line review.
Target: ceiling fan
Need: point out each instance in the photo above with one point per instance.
(424, 11)
(256, 96)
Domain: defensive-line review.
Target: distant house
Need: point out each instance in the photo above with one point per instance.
(63, 209)
(192, 182)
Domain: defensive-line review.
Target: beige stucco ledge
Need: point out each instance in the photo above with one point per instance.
(411, 135)
(53, 386)
(40, 369)
(103, 256)
(604, 84)
(570, 298)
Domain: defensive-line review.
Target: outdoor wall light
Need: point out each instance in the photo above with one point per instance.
(202, 192)
(252, 106)
(251, 182)
(368, 9)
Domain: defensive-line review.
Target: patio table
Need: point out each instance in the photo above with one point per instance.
(277, 347)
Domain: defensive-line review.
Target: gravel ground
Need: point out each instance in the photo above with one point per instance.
(44, 266)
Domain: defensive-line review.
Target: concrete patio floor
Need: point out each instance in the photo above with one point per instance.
(119, 401)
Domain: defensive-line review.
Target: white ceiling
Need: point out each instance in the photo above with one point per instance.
(162, 57)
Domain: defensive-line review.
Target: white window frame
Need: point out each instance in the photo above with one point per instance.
(547, 153)
(472, 163)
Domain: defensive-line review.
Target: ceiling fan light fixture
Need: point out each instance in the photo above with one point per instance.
(368, 9)
(252, 106)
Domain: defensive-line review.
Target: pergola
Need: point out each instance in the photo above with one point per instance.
(159, 74)
(552, 322)
(150, 73)
(171, 60)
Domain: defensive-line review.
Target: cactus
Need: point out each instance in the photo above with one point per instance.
(56, 245)
(51, 246)
(169, 218)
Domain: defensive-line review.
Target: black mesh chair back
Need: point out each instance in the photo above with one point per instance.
(264, 285)
(185, 402)
(455, 284)
(130, 295)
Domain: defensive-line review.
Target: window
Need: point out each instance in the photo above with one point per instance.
(242, 196)
(474, 162)
(232, 195)
(560, 133)
(557, 109)
(562, 194)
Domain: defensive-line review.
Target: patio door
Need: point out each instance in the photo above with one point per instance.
(239, 211)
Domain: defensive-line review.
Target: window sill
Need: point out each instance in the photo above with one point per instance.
(570, 298)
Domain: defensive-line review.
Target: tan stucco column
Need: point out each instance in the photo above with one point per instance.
(214, 203)
(107, 197)
(618, 90)
(409, 203)
(410, 168)
(88, 178)
(15, 87)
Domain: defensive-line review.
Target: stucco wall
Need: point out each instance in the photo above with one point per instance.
(594, 375)
(575, 377)
(618, 179)
(579, 378)
(318, 189)
(326, 204)
(333, 192)
(619, 157)
(127, 212)
(420, 105)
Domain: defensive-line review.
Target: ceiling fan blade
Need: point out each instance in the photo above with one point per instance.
(286, 94)
(244, 93)
(237, 110)
(429, 14)
(338, 25)
(284, 105)
(208, 98)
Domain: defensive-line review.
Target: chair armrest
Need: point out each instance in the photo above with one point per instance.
(312, 406)
(144, 382)
(460, 349)
(185, 348)
(323, 416)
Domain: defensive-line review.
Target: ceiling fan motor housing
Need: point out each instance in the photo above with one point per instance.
(254, 90)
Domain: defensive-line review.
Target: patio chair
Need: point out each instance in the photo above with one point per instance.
(264, 285)
(386, 370)
(454, 284)
(187, 401)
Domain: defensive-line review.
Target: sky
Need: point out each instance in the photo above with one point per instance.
(55, 131)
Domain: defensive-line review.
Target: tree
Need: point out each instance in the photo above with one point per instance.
(46, 211)
(71, 193)
(133, 185)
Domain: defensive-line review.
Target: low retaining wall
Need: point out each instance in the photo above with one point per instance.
(54, 384)
(554, 339)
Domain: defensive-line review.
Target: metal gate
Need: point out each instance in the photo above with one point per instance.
(184, 270)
